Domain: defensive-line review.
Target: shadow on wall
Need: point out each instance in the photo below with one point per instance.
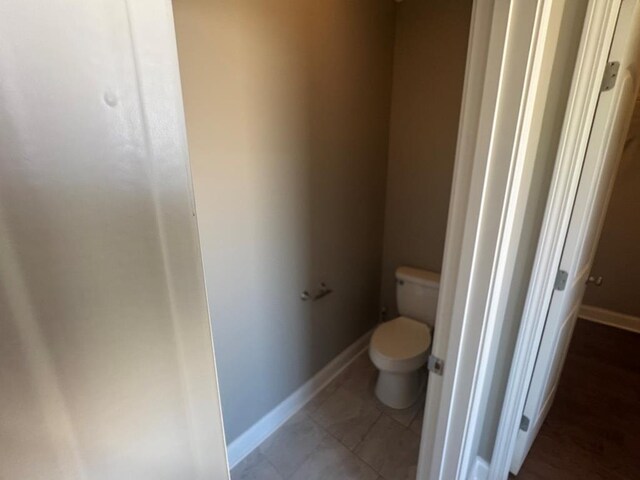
(287, 109)
(617, 259)
(428, 75)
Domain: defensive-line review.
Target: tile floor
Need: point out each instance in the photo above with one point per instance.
(342, 433)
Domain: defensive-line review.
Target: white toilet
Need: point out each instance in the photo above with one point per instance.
(400, 347)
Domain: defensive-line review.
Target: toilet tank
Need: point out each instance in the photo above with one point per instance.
(417, 294)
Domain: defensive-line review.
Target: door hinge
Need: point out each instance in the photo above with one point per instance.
(435, 365)
(610, 76)
(561, 280)
(524, 423)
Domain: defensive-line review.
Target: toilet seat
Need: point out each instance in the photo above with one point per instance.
(400, 345)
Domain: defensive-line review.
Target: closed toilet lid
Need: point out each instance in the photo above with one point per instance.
(401, 340)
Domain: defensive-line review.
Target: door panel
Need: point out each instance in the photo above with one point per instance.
(604, 150)
(106, 361)
(559, 352)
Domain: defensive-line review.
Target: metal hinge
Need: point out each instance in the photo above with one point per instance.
(435, 365)
(610, 76)
(524, 423)
(561, 280)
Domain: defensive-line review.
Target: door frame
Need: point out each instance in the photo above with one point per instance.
(481, 241)
(596, 48)
(439, 394)
(492, 177)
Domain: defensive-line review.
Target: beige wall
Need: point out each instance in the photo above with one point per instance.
(429, 60)
(287, 107)
(618, 255)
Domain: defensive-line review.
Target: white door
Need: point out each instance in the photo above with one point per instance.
(610, 125)
(106, 360)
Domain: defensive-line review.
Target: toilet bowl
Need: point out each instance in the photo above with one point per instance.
(400, 347)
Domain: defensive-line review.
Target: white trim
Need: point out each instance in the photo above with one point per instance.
(263, 428)
(480, 469)
(597, 35)
(523, 146)
(438, 401)
(487, 228)
(609, 317)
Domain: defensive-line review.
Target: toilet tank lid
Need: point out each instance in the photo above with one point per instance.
(419, 276)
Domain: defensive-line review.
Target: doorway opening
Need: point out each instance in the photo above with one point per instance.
(322, 138)
(594, 141)
(521, 101)
(590, 401)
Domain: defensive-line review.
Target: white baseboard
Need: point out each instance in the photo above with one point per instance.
(611, 318)
(480, 469)
(263, 428)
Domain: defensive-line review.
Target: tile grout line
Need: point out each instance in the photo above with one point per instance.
(308, 416)
(405, 428)
(331, 435)
(365, 436)
(271, 463)
(380, 413)
(340, 382)
(353, 452)
(399, 422)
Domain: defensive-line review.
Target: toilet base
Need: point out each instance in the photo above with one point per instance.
(400, 390)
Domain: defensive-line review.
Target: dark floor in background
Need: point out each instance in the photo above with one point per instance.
(593, 428)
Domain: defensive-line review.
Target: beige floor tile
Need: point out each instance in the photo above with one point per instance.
(405, 416)
(255, 467)
(360, 377)
(416, 425)
(315, 443)
(292, 443)
(331, 460)
(321, 396)
(346, 416)
(391, 449)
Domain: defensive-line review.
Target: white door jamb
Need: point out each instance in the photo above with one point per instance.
(503, 91)
(597, 35)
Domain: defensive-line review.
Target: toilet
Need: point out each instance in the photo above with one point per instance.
(400, 347)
